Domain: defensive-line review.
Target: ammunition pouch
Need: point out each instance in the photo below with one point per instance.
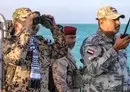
(10, 70)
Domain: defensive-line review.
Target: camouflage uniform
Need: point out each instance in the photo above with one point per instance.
(105, 68)
(17, 61)
(50, 53)
(128, 82)
(15, 76)
(63, 69)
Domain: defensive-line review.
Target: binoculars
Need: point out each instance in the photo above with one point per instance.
(43, 20)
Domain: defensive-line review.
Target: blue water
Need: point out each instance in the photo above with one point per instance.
(83, 31)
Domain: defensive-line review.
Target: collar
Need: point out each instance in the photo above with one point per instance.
(104, 37)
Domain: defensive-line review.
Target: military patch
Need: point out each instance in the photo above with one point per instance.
(90, 51)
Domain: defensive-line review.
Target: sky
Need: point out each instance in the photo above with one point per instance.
(66, 11)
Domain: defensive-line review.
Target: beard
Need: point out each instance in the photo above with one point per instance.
(71, 46)
(117, 29)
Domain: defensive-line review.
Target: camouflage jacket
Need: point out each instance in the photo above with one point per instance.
(106, 70)
(17, 61)
(62, 70)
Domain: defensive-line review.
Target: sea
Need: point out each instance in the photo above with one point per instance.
(83, 31)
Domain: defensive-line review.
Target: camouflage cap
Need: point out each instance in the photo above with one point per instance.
(21, 12)
(108, 12)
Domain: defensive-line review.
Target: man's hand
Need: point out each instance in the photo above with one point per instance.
(29, 21)
(52, 20)
(48, 21)
(121, 43)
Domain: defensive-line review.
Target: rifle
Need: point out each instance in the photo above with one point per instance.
(124, 34)
(2, 29)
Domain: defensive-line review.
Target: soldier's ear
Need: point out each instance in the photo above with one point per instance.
(101, 21)
(16, 24)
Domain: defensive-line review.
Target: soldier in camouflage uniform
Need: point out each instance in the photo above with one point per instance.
(63, 68)
(16, 58)
(104, 55)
